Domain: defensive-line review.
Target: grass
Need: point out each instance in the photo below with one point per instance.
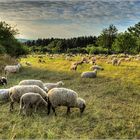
(113, 105)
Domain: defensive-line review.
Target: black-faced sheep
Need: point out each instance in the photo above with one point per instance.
(64, 97)
(3, 81)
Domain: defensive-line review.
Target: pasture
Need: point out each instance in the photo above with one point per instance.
(112, 102)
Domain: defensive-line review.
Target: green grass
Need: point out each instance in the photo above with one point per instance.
(112, 110)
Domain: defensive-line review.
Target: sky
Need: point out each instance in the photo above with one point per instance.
(68, 18)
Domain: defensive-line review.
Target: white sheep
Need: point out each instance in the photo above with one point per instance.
(4, 94)
(115, 61)
(31, 99)
(49, 86)
(17, 91)
(64, 97)
(12, 68)
(33, 82)
(96, 67)
(89, 74)
(74, 66)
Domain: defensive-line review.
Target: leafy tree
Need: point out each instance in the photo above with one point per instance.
(8, 41)
(107, 37)
(135, 30)
(125, 43)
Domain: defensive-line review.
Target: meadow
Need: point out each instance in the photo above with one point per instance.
(112, 102)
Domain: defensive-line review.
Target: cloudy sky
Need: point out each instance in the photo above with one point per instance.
(68, 18)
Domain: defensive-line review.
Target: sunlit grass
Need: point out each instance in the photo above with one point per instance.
(113, 105)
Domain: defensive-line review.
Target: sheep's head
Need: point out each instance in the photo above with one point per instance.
(81, 105)
(60, 83)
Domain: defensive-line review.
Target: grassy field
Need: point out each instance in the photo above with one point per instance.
(112, 102)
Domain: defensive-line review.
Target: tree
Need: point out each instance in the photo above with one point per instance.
(125, 43)
(8, 41)
(107, 37)
(135, 30)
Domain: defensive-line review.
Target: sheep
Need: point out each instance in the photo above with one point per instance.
(17, 91)
(89, 74)
(119, 62)
(114, 61)
(34, 82)
(64, 97)
(74, 66)
(29, 99)
(3, 81)
(12, 68)
(97, 67)
(4, 94)
(49, 86)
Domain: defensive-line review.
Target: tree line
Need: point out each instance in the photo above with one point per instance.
(108, 42)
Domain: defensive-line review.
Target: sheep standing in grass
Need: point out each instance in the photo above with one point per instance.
(74, 67)
(30, 99)
(34, 82)
(49, 86)
(89, 74)
(64, 97)
(17, 91)
(115, 61)
(12, 68)
(4, 94)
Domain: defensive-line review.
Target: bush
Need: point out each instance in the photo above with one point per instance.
(76, 50)
(96, 50)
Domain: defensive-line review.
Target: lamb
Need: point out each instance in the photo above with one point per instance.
(34, 82)
(4, 94)
(65, 97)
(17, 91)
(49, 86)
(97, 67)
(12, 68)
(89, 74)
(3, 81)
(29, 99)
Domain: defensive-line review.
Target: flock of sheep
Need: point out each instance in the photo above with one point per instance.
(31, 93)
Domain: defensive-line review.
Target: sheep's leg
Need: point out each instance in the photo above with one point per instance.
(68, 110)
(11, 106)
(49, 108)
(26, 107)
(54, 110)
(36, 106)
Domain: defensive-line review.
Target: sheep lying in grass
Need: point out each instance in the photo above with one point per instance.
(17, 91)
(3, 81)
(34, 82)
(64, 97)
(89, 74)
(12, 68)
(29, 99)
(28, 63)
(49, 86)
(97, 67)
(4, 94)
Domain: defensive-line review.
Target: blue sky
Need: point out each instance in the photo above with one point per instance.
(68, 18)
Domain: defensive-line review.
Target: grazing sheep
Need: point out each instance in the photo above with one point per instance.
(119, 62)
(4, 94)
(34, 82)
(97, 67)
(114, 61)
(89, 74)
(3, 81)
(29, 99)
(64, 97)
(12, 68)
(17, 91)
(74, 66)
(49, 86)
